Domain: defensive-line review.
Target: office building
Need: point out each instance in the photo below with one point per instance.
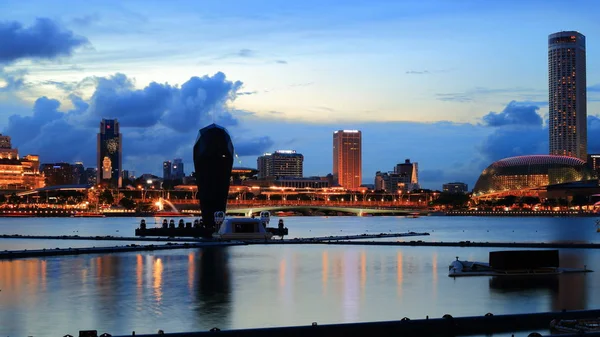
(408, 170)
(18, 173)
(91, 176)
(455, 188)
(347, 159)
(58, 174)
(281, 163)
(593, 162)
(567, 95)
(79, 177)
(177, 169)
(167, 170)
(110, 154)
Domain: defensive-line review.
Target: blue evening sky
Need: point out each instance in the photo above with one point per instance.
(452, 85)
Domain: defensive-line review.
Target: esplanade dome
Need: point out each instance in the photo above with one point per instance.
(527, 172)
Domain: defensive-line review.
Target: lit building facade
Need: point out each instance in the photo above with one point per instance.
(455, 188)
(408, 170)
(91, 176)
(281, 163)
(167, 170)
(567, 95)
(518, 175)
(110, 153)
(177, 171)
(593, 162)
(347, 158)
(79, 177)
(18, 173)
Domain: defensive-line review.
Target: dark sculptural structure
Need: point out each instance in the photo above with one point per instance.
(213, 161)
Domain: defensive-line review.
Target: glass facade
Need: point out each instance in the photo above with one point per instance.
(567, 95)
(526, 172)
(109, 152)
(347, 158)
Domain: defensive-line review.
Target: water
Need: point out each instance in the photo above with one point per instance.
(258, 286)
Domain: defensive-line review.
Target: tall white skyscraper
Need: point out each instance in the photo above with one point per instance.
(567, 95)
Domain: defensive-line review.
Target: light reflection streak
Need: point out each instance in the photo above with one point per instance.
(325, 270)
(139, 269)
(399, 275)
(158, 269)
(44, 272)
(434, 273)
(191, 270)
(363, 272)
(282, 274)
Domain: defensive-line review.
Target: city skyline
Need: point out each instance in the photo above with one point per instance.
(390, 70)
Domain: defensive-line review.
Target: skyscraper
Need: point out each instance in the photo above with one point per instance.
(177, 170)
(167, 170)
(281, 163)
(110, 153)
(567, 95)
(347, 158)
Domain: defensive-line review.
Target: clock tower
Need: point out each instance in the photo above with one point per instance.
(109, 154)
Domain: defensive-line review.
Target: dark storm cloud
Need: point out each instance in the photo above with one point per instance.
(158, 122)
(45, 39)
(514, 114)
(253, 147)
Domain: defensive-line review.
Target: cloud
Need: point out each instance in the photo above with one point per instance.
(158, 122)
(254, 146)
(594, 88)
(45, 39)
(514, 114)
(86, 20)
(281, 61)
(12, 80)
(417, 72)
(522, 94)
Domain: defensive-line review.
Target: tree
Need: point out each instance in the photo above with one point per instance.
(127, 203)
(106, 197)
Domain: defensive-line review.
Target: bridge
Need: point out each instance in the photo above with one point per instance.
(303, 208)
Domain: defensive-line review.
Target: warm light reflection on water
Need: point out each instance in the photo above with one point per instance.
(157, 285)
(271, 285)
(325, 270)
(399, 273)
(363, 272)
(191, 270)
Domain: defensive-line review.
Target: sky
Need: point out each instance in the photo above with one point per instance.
(452, 85)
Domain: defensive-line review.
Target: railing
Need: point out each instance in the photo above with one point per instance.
(320, 203)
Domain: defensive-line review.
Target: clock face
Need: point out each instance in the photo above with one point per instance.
(112, 146)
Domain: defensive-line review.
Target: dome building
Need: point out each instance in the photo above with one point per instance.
(520, 175)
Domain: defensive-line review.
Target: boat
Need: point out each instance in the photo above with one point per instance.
(413, 215)
(575, 326)
(513, 263)
(175, 214)
(88, 215)
(16, 215)
(241, 228)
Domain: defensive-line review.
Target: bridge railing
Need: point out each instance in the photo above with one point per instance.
(262, 203)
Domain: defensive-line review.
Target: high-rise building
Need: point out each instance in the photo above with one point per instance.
(167, 170)
(281, 163)
(593, 162)
(79, 177)
(347, 158)
(110, 153)
(58, 174)
(91, 176)
(408, 170)
(177, 170)
(567, 95)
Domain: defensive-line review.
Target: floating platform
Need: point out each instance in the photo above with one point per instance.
(513, 263)
(20, 254)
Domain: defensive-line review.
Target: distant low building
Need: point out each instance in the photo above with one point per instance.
(291, 182)
(455, 188)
